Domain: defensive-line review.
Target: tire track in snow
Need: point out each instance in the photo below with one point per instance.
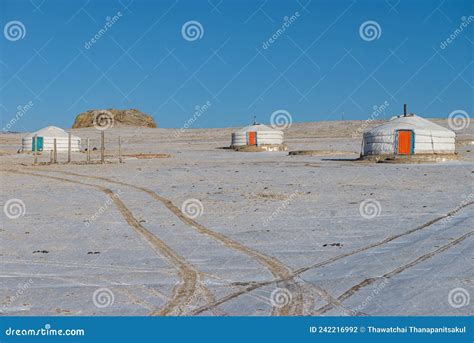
(354, 289)
(337, 258)
(281, 273)
(183, 292)
(300, 271)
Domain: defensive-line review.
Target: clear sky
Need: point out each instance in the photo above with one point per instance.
(319, 65)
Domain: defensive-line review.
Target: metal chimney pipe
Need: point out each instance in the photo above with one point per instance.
(405, 110)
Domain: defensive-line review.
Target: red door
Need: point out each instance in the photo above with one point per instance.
(405, 142)
(252, 138)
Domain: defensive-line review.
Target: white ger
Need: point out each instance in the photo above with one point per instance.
(408, 134)
(259, 135)
(46, 138)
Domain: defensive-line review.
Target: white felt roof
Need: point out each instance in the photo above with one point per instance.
(258, 128)
(50, 131)
(411, 122)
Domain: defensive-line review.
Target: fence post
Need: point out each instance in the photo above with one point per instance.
(102, 147)
(120, 149)
(55, 152)
(35, 147)
(69, 148)
(88, 151)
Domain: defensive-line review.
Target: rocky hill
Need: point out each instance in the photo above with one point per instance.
(113, 117)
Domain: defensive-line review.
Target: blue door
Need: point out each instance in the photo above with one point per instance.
(39, 146)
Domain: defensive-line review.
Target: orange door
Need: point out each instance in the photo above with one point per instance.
(252, 138)
(405, 142)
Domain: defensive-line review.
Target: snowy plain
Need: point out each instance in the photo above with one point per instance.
(267, 233)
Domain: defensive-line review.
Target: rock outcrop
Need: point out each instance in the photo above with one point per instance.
(113, 117)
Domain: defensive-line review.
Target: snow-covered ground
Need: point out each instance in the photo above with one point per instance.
(210, 231)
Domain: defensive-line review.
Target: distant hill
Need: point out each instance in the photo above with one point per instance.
(112, 117)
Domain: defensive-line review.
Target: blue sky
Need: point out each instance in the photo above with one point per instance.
(320, 67)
